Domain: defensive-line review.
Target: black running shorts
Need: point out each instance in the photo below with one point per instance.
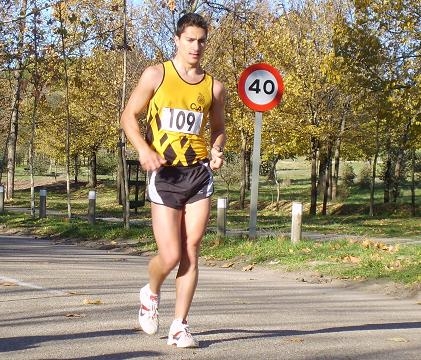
(176, 186)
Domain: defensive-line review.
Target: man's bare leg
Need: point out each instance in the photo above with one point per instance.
(166, 223)
(194, 222)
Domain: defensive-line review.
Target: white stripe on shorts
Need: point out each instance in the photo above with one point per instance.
(152, 192)
(209, 189)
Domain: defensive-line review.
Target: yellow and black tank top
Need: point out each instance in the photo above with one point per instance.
(177, 116)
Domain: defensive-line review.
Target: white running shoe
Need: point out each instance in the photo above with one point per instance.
(148, 312)
(180, 335)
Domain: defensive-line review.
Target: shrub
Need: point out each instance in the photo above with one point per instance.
(41, 164)
(348, 175)
(365, 177)
(106, 163)
(343, 192)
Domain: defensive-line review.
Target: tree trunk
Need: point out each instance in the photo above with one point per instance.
(330, 176)
(124, 171)
(76, 167)
(396, 178)
(400, 159)
(3, 160)
(278, 185)
(67, 107)
(243, 183)
(14, 120)
(387, 177)
(32, 150)
(37, 93)
(248, 170)
(413, 205)
(373, 184)
(314, 151)
(327, 171)
(272, 168)
(322, 172)
(93, 179)
(12, 138)
(374, 171)
(335, 177)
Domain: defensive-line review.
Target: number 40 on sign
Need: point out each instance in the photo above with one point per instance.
(261, 87)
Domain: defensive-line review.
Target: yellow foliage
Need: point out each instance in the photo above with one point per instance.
(351, 259)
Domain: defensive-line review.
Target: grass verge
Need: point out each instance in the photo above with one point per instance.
(343, 259)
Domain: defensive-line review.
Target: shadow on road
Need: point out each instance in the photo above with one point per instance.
(28, 342)
(256, 334)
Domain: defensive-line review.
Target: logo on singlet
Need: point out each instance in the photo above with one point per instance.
(200, 103)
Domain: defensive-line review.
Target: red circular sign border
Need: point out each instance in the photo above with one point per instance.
(241, 87)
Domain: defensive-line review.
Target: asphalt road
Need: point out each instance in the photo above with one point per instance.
(67, 302)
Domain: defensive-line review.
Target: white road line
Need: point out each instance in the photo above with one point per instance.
(4, 279)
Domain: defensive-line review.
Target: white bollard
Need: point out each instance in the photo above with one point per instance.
(221, 219)
(91, 207)
(1, 199)
(42, 203)
(296, 221)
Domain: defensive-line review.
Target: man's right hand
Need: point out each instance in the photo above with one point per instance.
(150, 160)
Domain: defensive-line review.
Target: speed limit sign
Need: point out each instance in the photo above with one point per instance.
(261, 87)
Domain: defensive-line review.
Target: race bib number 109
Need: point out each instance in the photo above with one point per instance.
(180, 120)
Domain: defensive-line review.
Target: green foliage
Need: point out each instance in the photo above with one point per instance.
(417, 167)
(41, 164)
(359, 69)
(364, 177)
(348, 174)
(230, 173)
(106, 163)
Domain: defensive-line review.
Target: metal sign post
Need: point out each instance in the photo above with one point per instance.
(255, 174)
(260, 88)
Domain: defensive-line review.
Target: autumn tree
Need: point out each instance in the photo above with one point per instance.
(93, 45)
(232, 47)
(37, 87)
(17, 65)
(309, 121)
(4, 85)
(378, 50)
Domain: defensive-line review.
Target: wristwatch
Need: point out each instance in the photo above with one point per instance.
(218, 148)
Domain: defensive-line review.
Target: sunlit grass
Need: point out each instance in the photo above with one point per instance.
(340, 258)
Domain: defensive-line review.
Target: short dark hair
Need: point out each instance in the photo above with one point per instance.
(191, 19)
